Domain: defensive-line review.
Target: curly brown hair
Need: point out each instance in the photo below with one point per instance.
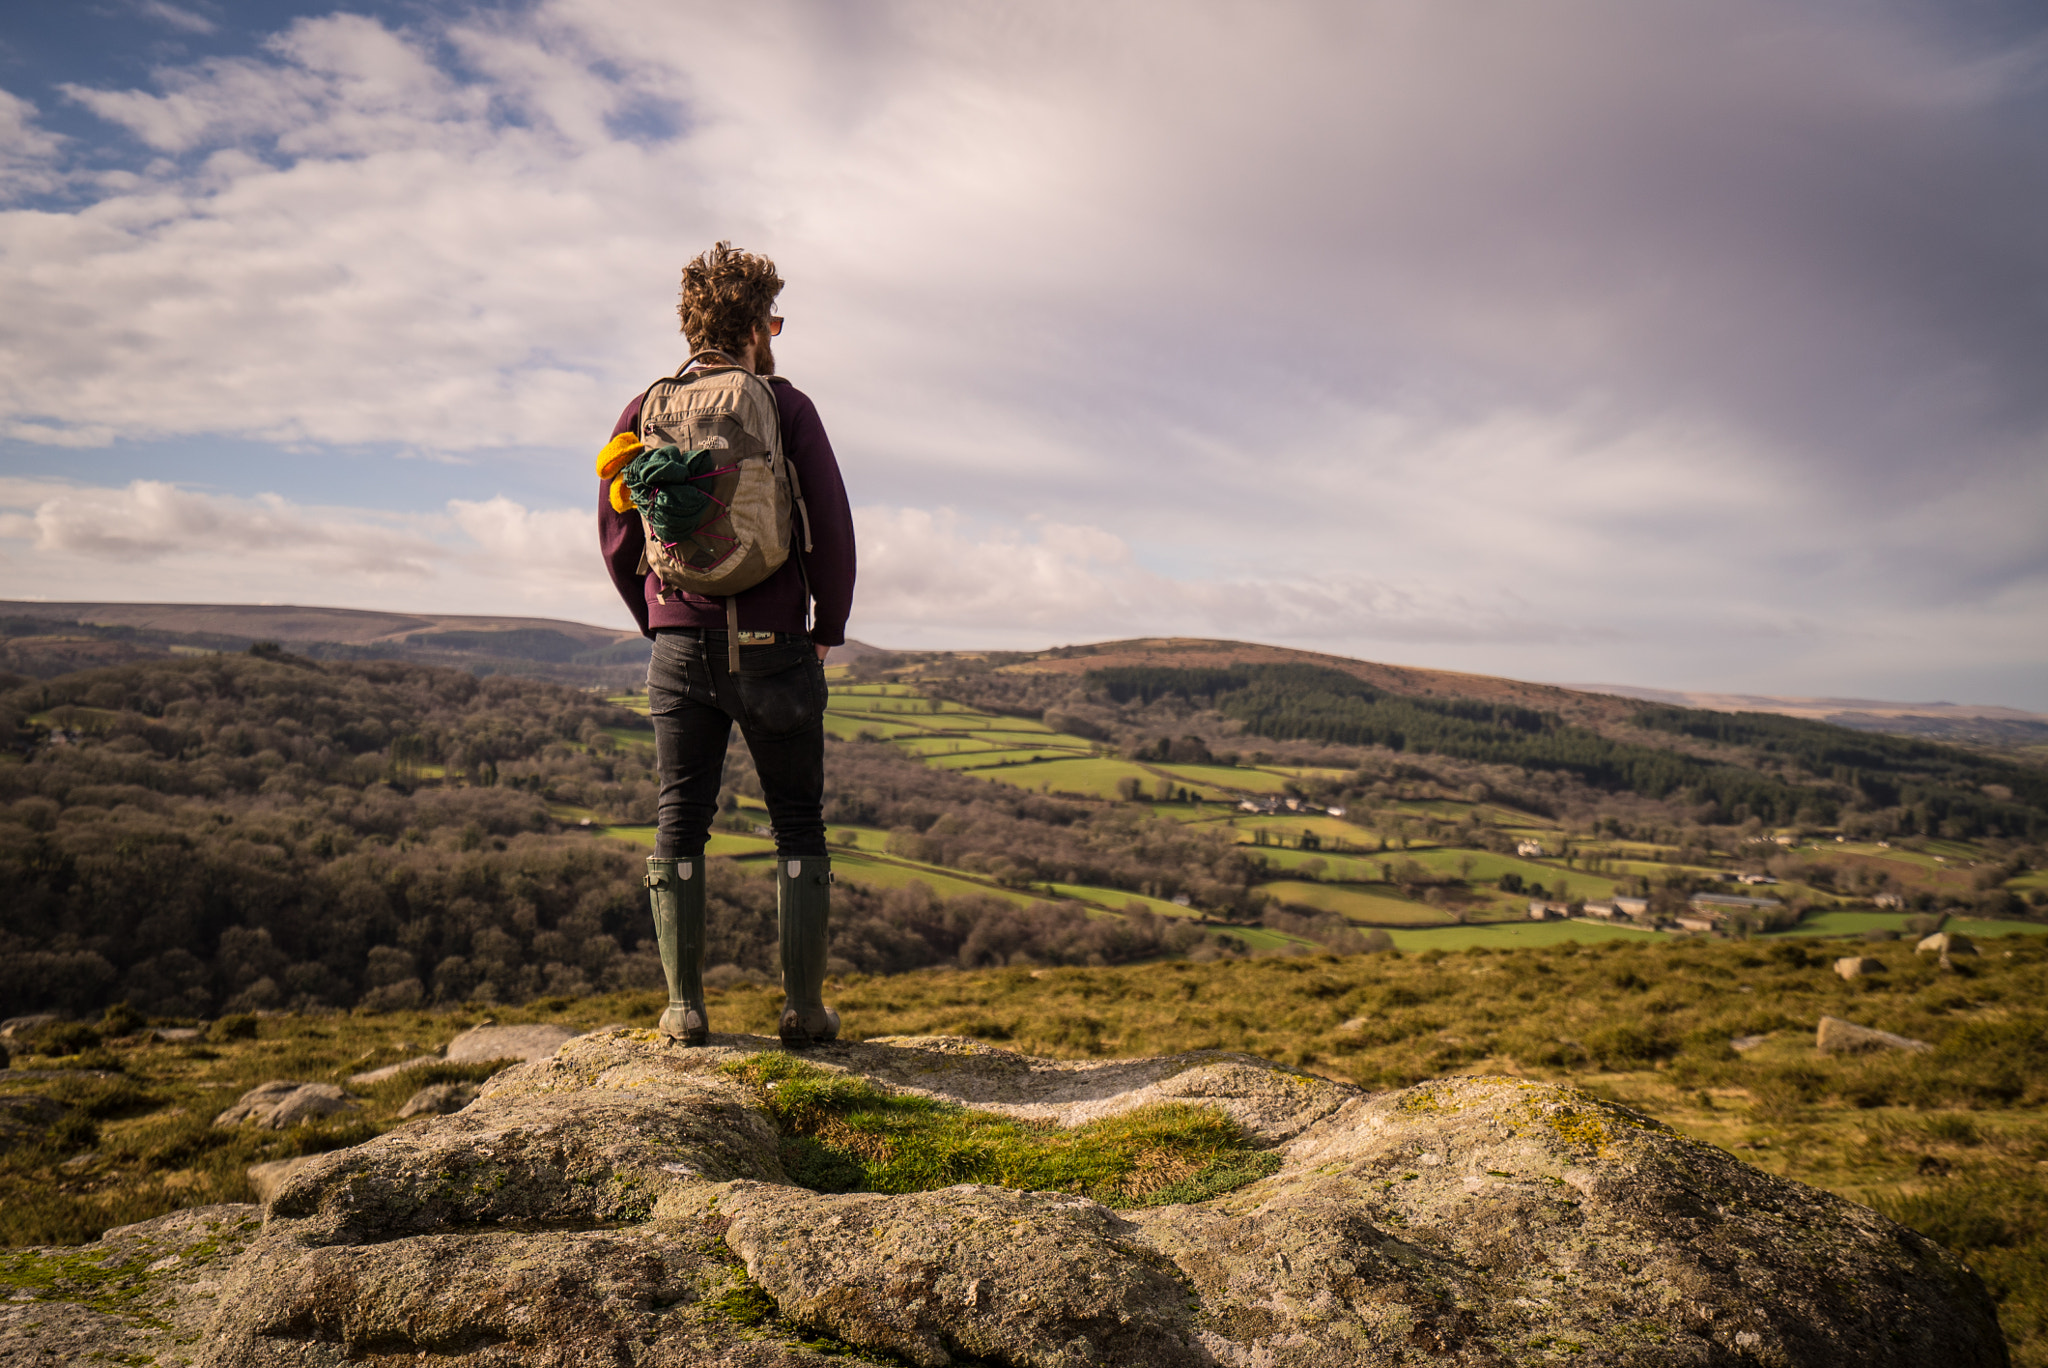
(726, 292)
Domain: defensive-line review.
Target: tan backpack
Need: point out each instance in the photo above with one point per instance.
(728, 410)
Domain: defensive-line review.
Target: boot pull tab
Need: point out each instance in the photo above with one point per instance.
(656, 881)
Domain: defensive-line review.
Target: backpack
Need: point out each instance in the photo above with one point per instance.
(731, 412)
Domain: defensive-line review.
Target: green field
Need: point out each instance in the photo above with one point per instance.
(1290, 825)
(922, 746)
(1335, 868)
(1116, 899)
(994, 758)
(1234, 778)
(852, 726)
(1487, 867)
(1090, 778)
(1978, 928)
(1357, 905)
(988, 726)
(1845, 923)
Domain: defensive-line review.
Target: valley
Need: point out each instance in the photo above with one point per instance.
(1418, 866)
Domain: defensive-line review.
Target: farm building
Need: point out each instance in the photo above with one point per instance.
(1547, 911)
(1606, 910)
(1631, 907)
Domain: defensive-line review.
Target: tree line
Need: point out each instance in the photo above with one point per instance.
(234, 833)
(1930, 788)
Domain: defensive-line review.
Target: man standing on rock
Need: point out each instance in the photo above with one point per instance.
(723, 520)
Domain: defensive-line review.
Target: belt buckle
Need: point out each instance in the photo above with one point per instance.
(757, 638)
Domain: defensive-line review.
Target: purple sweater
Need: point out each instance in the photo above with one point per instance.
(776, 604)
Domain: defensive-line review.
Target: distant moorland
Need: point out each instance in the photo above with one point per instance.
(219, 832)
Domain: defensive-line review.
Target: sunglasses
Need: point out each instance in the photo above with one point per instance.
(774, 326)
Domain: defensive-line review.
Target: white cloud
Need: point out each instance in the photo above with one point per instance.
(149, 520)
(177, 16)
(72, 541)
(935, 578)
(1671, 343)
(939, 578)
(28, 152)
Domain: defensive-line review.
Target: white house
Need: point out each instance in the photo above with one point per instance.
(1529, 850)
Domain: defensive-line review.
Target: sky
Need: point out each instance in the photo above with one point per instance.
(1695, 345)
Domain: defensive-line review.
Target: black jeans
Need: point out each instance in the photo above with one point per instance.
(778, 698)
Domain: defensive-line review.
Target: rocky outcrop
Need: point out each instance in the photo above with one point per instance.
(139, 1294)
(26, 1115)
(268, 1177)
(438, 1099)
(483, 1044)
(626, 1202)
(372, 1076)
(1836, 1036)
(1945, 944)
(281, 1105)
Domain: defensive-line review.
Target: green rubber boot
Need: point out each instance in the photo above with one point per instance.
(676, 890)
(803, 902)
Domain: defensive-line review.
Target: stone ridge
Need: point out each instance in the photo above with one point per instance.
(623, 1203)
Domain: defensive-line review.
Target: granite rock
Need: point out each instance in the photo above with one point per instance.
(378, 1075)
(1944, 944)
(282, 1105)
(438, 1099)
(138, 1294)
(1836, 1036)
(482, 1044)
(623, 1202)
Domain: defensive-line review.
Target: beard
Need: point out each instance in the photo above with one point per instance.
(764, 354)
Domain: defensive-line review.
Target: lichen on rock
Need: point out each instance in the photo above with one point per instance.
(626, 1201)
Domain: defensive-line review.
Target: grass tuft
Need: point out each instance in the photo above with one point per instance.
(846, 1134)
